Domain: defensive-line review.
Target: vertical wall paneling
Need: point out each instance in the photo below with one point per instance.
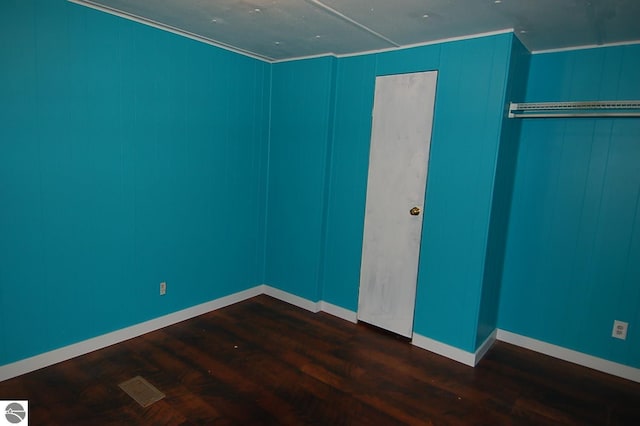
(301, 100)
(502, 191)
(21, 212)
(326, 185)
(354, 85)
(128, 156)
(260, 210)
(571, 265)
(465, 144)
(466, 138)
(474, 74)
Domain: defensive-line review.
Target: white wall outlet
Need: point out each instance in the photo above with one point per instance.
(163, 288)
(620, 330)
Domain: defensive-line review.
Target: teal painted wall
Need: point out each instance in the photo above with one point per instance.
(355, 84)
(128, 156)
(502, 192)
(466, 136)
(298, 153)
(354, 88)
(572, 263)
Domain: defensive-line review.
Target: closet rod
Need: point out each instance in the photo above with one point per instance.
(574, 109)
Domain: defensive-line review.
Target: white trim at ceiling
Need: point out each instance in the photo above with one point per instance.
(588, 46)
(328, 9)
(169, 28)
(431, 42)
(400, 47)
(158, 25)
(300, 58)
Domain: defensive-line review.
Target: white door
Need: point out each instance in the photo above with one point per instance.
(399, 156)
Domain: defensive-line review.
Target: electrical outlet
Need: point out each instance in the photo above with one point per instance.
(620, 330)
(163, 288)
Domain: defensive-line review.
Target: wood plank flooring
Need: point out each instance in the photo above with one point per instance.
(265, 362)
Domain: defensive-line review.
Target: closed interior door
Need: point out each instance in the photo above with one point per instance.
(399, 155)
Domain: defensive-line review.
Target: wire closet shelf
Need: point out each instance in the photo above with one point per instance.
(574, 109)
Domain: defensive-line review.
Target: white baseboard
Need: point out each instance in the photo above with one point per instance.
(58, 355)
(423, 342)
(484, 347)
(46, 359)
(314, 307)
(595, 363)
(339, 312)
(291, 298)
(451, 352)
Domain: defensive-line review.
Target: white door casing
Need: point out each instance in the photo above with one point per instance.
(399, 155)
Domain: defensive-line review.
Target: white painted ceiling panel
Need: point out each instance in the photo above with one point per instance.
(284, 29)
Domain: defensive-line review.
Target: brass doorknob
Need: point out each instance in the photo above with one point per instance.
(414, 211)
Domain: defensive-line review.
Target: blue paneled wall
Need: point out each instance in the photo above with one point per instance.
(298, 149)
(572, 264)
(307, 152)
(502, 193)
(128, 156)
(466, 136)
(355, 80)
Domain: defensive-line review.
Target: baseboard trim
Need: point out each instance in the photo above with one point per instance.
(575, 357)
(456, 354)
(55, 356)
(471, 359)
(418, 340)
(443, 349)
(485, 346)
(298, 301)
(339, 312)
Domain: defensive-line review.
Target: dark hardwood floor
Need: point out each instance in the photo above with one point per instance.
(263, 361)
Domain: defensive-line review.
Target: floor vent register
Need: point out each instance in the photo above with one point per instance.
(142, 391)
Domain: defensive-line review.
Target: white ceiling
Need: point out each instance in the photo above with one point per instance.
(283, 29)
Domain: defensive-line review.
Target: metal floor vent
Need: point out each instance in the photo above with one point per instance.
(142, 391)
